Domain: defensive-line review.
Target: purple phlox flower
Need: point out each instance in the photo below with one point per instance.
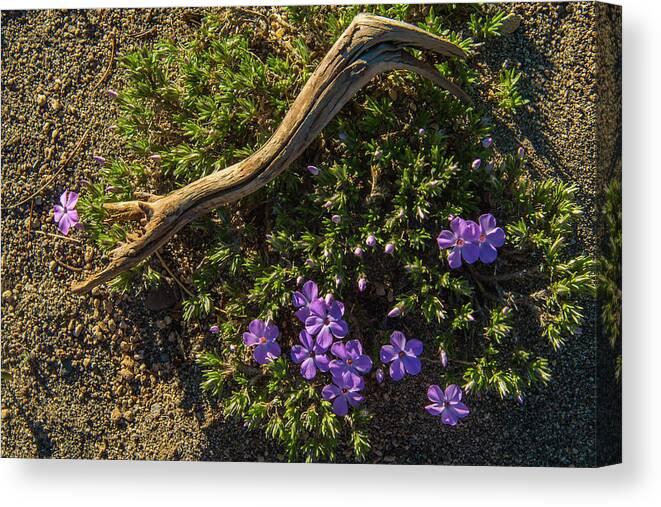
(490, 238)
(362, 284)
(313, 170)
(463, 239)
(214, 329)
(309, 355)
(476, 164)
(446, 404)
(371, 240)
(350, 359)
(325, 321)
(389, 249)
(379, 376)
(344, 391)
(358, 252)
(396, 311)
(444, 358)
(112, 93)
(262, 335)
(98, 158)
(155, 157)
(303, 298)
(402, 354)
(487, 142)
(65, 214)
(336, 219)
(521, 152)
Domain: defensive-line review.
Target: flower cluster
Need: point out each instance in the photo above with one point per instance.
(471, 241)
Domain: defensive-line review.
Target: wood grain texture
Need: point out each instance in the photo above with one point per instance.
(369, 46)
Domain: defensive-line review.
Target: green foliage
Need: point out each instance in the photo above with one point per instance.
(508, 93)
(206, 102)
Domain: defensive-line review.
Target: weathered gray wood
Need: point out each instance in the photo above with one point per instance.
(369, 46)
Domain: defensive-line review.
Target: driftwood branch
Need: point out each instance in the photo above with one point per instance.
(369, 46)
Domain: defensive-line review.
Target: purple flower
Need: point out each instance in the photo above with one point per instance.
(65, 215)
(379, 376)
(396, 311)
(263, 335)
(487, 142)
(336, 219)
(350, 359)
(214, 329)
(389, 249)
(325, 321)
(444, 358)
(313, 170)
(310, 356)
(344, 391)
(362, 284)
(402, 355)
(99, 159)
(421, 132)
(343, 136)
(371, 240)
(304, 298)
(358, 252)
(446, 404)
(112, 93)
(476, 164)
(462, 239)
(491, 237)
(521, 152)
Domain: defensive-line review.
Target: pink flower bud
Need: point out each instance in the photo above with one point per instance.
(329, 299)
(98, 158)
(155, 157)
(309, 262)
(358, 252)
(395, 312)
(487, 142)
(327, 205)
(362, 284)
(378, 154)
(336, 219)
(476, 164)
(521, 152)
(389, 249)
(421, 132)
(214, 329)
(444, 358)
(379, 376)
(299, 280)
(313, 170)
(520, 400)
(338, 280)
(371, 240)
(112, 93)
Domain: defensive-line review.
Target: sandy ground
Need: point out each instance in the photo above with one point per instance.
(105, 377)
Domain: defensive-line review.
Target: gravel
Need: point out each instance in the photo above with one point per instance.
(107, 376)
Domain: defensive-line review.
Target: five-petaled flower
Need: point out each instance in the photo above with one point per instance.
(309, 355)
(262, 335)
(65, 215)
(462, 239)
(350, 359)
(304, 298)
(402, 355)
(491, 237)
(447, 404)
(325, 321)
(344, 391)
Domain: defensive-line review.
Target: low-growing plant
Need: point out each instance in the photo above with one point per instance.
(402, 217)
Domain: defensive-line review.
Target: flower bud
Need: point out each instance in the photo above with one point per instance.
(395, 312)
(327, 205)
(371, 240)
(338, 280)
(379, 376)
(343, 136)
(520, 400)
(84, 183)
(329, 299)
(362, 284)
(487, 142)
(98, 158)
(521, 152)
(378, 154)
(421, 131)
(112, 93)
(232, 347)
(389, 249)
(309, 263)
(476, 164)
(155, 157)
(444, 358)
(358, 252)
(336, 219)
(214, 329)
(313, 170)
(299, 280)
